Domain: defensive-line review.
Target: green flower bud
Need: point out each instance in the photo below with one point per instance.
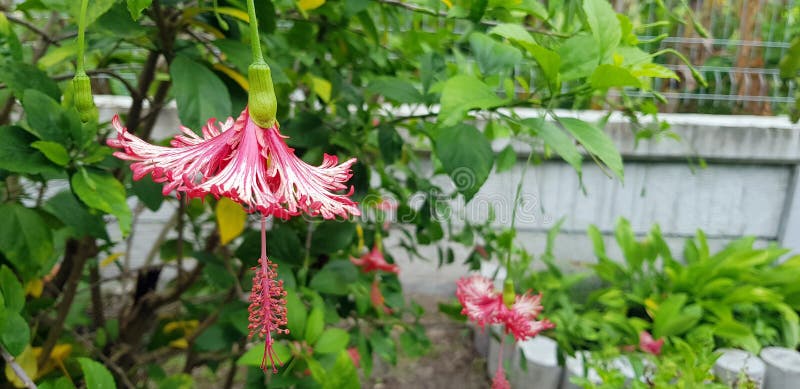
(509, 296)
(82, 96)
(261, 102)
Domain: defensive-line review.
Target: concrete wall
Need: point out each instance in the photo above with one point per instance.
(747, 188)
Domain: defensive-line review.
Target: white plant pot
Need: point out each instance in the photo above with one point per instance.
(735, 365)
(783, 368)
(541, 359)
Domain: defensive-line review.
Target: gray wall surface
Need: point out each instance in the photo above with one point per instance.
(747, 188)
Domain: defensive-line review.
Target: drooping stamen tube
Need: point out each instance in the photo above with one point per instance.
(267, 304)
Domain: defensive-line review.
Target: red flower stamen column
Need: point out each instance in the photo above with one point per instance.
(267, 304)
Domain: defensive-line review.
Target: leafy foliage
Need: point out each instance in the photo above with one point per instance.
(352, 79)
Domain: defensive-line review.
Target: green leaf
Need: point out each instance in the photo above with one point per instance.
(673, 317)
(604, 24)
(610, 76)
(595, 141)
(555, 138)
(96, 375)
(549, 61)
(506, 159)
(790, 63)
(333, 278)
(101, 191)
(343, 374)
(17, 156)
(14, 332)
(149, 193)
(462, 93)
(96, 9)
(198, 101)
(579, 55)
(55, 152)
(25, 239)
(66, 207)
(178, 381)
(254, 355)
(11, 289)
(333, 340)
(390, 144)
(493, 57)
(512, 31)
(135, 7)
(396, 89)
(315, 324)
(20, 76)
(331, 236)
(45, 117)
(653, 70)
(296, 315)
(738, 334)
(466, 156)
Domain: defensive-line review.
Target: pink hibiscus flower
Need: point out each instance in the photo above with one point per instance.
(374, 261)
(247, 163)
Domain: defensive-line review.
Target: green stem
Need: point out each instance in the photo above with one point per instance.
(255, 38)
(81, 38)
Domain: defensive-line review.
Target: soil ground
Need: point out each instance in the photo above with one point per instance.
(452, 361)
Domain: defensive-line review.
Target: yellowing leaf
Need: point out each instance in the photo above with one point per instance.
(110, 259)
(187, 326)
(307, 5)
(181, 343)
(231, 219)
(448, 3)
(27, 361)
(191, 12)
(322, 88)
(234, 75)
(34, 288)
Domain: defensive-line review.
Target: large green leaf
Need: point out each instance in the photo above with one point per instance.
(604, 24)
(25, 239)
(512, 31)
(343, 374)
(555, 138)
(315, 324)
(20, 76)
(595, 141)
(466, 156)
(11, 290)
(17, 156)
(674, 317)
(45, 117)
(334, 278)
(14, 332)
(296, 315)
(55, 152)
(396, 89)
(199, 93)
(579, 55)
(609, 76)
(462, 93)
(96, 375)
(332, 340)
(135, 7)
(101, 191)
(493, 57)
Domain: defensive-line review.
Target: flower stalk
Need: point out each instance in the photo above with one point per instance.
(81, 84)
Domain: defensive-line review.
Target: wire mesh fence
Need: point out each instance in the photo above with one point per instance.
(735, 44)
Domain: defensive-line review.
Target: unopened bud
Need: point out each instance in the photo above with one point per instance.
(82, 96)
(261, 102)
(509, 296)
